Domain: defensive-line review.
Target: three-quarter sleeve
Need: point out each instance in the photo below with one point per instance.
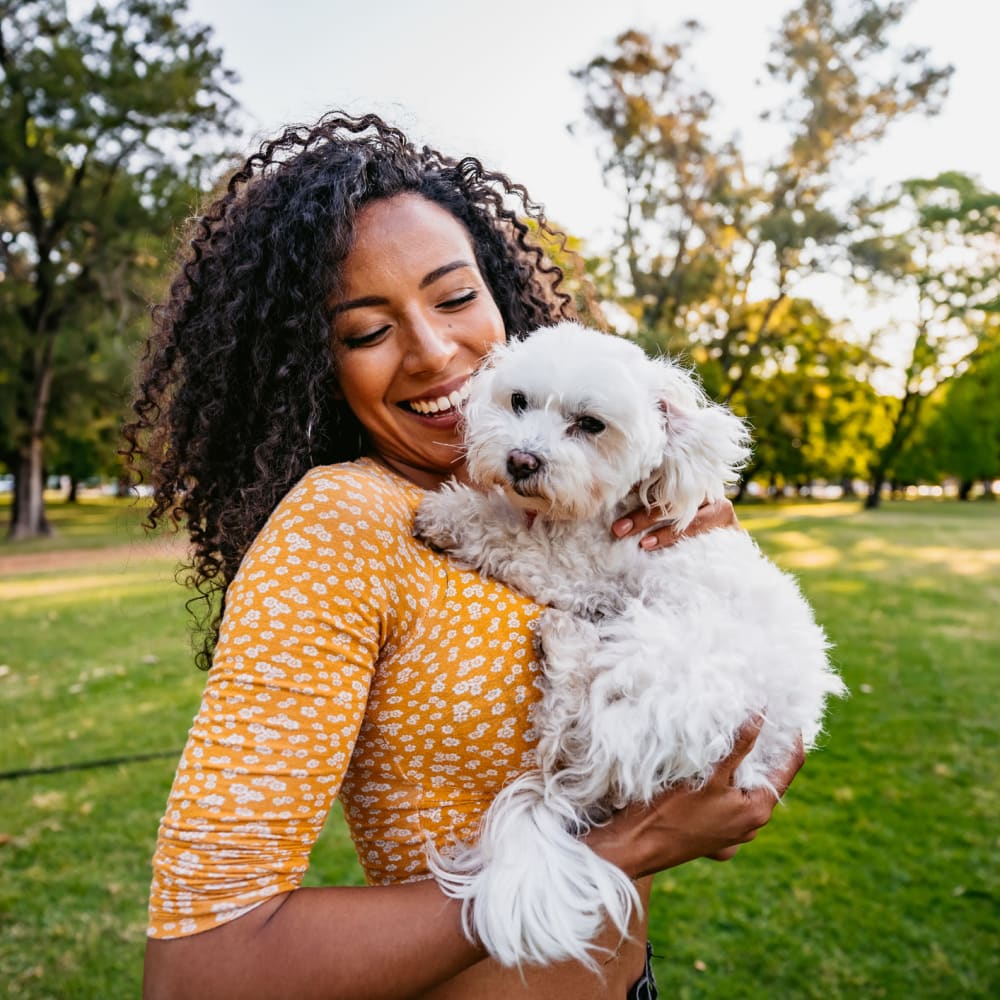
(281, 709)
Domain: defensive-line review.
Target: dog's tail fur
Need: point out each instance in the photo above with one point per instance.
(531, 891)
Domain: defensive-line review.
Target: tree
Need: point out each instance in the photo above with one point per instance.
(938, 241)
(811, 405)
(99, 116)
(713, 247)
(808, 398)
(963, 436)
(90, 380)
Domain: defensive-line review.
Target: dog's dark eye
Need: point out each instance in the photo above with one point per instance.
(518, 402)
(589, 425)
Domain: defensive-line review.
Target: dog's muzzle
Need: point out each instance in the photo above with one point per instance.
(522, 465)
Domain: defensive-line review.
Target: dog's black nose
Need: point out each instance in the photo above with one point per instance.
(521, 464)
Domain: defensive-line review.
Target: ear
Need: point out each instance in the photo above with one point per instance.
(704, 447)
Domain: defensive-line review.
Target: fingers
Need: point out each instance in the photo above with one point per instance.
(655, 534)
(782, 778)
(725, 854)
(742, 745)
(635, 522)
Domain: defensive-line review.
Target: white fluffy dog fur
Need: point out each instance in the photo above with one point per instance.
(653, 660)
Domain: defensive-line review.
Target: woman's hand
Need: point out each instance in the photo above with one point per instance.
(657, 535)
(684, 823)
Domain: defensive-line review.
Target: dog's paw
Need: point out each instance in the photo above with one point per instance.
(439, 519)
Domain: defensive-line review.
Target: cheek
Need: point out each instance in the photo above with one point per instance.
(491, 329)
(362, 377)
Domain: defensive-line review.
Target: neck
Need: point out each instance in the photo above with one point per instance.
(426, 479)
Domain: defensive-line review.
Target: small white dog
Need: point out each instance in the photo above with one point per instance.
(653, 660)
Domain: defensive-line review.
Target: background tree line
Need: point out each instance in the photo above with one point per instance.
(102, 116)
(716, 250)
(111, 130)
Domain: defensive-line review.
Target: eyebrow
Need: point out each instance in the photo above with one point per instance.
(377, 300)
(440, 272)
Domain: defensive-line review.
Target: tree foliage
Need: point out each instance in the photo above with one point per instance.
(814, 412)
(714, 248)
(962, 435)
(100, 115)
(936, 240)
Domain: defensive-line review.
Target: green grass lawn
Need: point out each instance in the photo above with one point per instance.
(878, 878)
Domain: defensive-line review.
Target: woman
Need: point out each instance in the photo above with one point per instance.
(297, 396)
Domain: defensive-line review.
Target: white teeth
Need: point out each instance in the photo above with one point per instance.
(442, 404)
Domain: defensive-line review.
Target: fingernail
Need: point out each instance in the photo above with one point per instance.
(649, 542)
(623, 527)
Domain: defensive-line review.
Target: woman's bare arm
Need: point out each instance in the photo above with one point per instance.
(358, 942)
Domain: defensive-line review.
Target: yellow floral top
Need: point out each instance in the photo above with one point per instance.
(353, 661)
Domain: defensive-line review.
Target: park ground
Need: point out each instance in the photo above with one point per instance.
(878, 877)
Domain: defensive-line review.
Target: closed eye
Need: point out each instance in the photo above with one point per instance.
(589, 425)
(518, 402)
(365, 339)
(459, 300)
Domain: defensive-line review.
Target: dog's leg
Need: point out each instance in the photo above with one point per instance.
(568, 644)
(532, 892)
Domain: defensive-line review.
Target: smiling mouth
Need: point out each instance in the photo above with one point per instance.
(441, 405)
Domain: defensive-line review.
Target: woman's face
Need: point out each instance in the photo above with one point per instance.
(412, 322)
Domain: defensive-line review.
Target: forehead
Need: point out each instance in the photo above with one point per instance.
(404, 236)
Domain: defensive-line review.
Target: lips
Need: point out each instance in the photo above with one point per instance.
(438, 405)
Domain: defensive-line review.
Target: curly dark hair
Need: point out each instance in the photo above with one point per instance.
(234, 399)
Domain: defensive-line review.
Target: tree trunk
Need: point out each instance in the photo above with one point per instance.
(964, 489)
(28, 518)
(874, 492)
(903, 425)
(28, 514)
(71, 496)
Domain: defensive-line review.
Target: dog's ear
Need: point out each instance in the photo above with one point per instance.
(704, 447)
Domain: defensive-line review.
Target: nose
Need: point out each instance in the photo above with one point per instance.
(430, 346)
(522, 464)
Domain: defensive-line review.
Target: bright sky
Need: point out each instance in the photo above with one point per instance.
(494, 80)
